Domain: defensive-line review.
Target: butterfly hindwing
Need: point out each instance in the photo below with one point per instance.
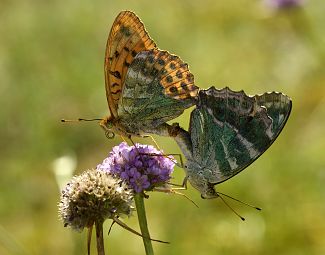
(229, 130)
(278, 107)
(149, 96)
(127, 38)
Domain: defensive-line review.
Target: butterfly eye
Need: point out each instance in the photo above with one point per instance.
(109, 124)
(109, 134)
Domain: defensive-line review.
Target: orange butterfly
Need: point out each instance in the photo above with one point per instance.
(145, 87)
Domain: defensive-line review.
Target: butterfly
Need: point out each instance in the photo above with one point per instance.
(228, 131)
(145, 86)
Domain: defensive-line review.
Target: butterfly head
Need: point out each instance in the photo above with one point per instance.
(206, 188)
(209, 191)
(108, 126)
(198, 176)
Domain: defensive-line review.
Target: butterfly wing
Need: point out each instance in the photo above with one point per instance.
(127, 37)
(229, 130)
(158, 87)
(278, 107)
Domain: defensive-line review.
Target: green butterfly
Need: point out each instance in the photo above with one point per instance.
(228, 131)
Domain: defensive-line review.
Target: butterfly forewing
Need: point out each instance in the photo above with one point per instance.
(127, 38)
(231, 129)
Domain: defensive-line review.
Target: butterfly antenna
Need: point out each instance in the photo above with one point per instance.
(80, 119)
(244, 203)
(123, 225)
(232, 209)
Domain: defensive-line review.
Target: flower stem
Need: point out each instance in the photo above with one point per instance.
(99, 237)
(139, 203)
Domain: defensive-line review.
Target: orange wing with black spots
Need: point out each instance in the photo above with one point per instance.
(158, 88)
(176, 78)
(169, 70)
(127, 38)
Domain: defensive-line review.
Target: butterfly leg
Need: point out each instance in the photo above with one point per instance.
(173, 191)
(182, 186)
(133, 143)
(181, 136)
(154, 141)
(181, 165)
(123, 138)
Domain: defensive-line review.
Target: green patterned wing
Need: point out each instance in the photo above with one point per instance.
(158, 87)
(229, 130)
(278, 107)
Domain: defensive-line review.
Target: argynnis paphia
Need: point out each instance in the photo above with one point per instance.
(228, 131)
(145, 86)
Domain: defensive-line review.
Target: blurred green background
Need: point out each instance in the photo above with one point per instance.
(51, 67)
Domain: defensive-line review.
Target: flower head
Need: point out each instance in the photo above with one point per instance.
(94, 195)
(143, 166)
(283, 4)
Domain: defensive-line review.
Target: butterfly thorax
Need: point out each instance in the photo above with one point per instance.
(196, 174)
(119, 126)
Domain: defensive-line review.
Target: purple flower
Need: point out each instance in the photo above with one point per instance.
(139, 166)
(283, 4)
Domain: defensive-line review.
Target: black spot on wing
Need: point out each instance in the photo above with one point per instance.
(133, 53)
(116, 74)
(161, 62)
(151, 59)
(172, 66)
(184, 86)
(190, 77)
(173, 89)
(126, 31)
(116, 92)
(163, 71)
(169, 79)
(154, 71)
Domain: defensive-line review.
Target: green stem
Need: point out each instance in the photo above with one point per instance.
(99, 237)
(139, 203)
